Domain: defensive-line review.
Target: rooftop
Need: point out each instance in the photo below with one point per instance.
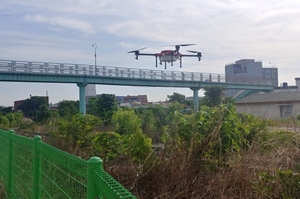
(270, 97)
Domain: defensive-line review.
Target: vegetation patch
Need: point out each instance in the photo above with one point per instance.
(166, 152)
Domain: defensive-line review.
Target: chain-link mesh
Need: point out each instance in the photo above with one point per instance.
(62, 175)
(33, 169)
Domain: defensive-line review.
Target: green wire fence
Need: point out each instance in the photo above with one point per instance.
(35, 170)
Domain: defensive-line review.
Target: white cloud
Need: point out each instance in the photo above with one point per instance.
(125, 44)
(64, 30)
(63, 22)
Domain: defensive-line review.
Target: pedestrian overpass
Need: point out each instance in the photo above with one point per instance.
(83, 74)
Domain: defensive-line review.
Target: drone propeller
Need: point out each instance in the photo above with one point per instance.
(180, 45)
(186, 44)
(136, 52)
(199, 54)
(177, 46)
(192, 51)
(133, 51)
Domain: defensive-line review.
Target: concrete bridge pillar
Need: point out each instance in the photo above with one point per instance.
(82, 86)
(196, 98)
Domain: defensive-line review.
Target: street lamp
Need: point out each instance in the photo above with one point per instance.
(95, 46)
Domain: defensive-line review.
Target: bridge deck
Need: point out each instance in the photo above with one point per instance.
(25, 71)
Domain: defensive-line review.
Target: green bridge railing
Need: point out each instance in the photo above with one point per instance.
(33, 169)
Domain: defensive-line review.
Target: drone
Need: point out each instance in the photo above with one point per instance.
(169, 56)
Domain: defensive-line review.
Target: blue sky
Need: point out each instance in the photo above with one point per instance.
(64, 31)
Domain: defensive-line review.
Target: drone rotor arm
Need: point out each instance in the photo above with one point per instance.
(136, 52)
(198, 54)
(148, 54)
(182, 55)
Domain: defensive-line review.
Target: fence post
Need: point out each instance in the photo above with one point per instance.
(36, 168)
(9, 159)
(92, 163)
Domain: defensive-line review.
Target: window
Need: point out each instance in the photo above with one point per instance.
(285, 110)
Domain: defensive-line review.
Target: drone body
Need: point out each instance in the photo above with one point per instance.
(168, 56)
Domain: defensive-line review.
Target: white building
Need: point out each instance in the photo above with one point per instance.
(283, 102)
(249, 71)
(271, 105)
(90, 90)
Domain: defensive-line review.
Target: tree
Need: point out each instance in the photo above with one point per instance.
(4, 110)
(126, 122)
(68, 108)
(11, 120)
(177, 97)
(213, 96)
(148, 123)
(133, 141)
(43, 114)
(137, 145)
(74, 132)
(4, 122)
(107, 145)
(30, 106)
(92, 106)
(106, 106)
(103, 106)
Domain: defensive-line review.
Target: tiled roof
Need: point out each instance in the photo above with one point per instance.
(270, 98)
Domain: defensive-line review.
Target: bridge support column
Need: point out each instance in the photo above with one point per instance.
(196, 98)
(82, 86)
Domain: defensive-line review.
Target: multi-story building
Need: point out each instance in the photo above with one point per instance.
(249, 71)
(19, 102)
(120, 99)
(90, 90)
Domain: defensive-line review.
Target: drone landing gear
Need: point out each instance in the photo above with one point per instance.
(180, 62)
(160, 61)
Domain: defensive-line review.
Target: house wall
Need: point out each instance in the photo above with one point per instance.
(266, 111)
(269, 110)
(139, 98)
(296, 108)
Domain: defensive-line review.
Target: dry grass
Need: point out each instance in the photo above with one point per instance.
(187, 176)
(2, 190)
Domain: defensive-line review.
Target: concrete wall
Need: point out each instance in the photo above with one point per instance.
(269, 110)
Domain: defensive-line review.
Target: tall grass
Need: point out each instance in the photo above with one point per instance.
(215, 153)
(268, 169)
(2, 190)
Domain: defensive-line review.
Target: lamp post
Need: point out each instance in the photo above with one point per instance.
(95, 46)
(271, 62)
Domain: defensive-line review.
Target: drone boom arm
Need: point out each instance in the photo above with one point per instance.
(199, 55)
(137, 53)
(147, 54)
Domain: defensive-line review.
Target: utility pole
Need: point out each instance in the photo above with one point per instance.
(95, 46)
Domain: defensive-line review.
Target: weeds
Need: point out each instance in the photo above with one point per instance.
(2, 189)
(215, 153)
